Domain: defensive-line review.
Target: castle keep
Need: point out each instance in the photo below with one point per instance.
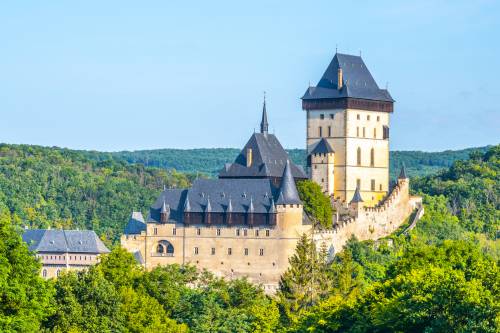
(248, 221)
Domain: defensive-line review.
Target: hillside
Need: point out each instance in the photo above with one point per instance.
(210, 161)
(51, 187)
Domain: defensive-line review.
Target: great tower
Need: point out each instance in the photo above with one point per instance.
(348, 131)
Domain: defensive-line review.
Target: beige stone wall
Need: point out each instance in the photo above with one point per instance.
(373, 223)
(352, 129)
(259, 253)
(323, 171)
(56, 263)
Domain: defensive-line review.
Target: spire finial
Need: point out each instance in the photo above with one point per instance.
(336, 48)
(264, 125)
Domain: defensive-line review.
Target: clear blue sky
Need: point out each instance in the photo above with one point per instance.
(114, 75)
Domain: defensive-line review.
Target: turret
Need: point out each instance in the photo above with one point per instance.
(402, 173)
(288, 194)
(208, 211)
(164, 213)
(356, 203)
(321, 162)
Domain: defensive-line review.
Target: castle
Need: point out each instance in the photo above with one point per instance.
(248, 221)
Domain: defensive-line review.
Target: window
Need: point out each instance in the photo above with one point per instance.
(374, 133)
(322, 116)
(245, 232)
(256, 232)
(373, 185)
(332, 115)
(372, 157)
(364, 132)
(357, 116)
(380, 187)
(159, 248)
(378, 118)
(218, 232)
(174, 231)
(229, 251)
(385, 132)
(268, 232)
(358, 153)
(44, 273)
(213, 251)
(196, 250)
(155, 231)
(368, 117)
(320, 131)
(246, 251)
(329, 131)
(357, 131)
(261, 252)
(358, 183)
(237, 232)
(198, 231)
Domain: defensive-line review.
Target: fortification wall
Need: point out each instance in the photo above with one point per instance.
(372, 222)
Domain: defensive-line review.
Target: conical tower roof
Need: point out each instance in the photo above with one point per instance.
(402, 173)
(229, 208)
(165, 208)
(208, 207)
(356, 197)
(272, 208)
(288, 194)
(187, 205)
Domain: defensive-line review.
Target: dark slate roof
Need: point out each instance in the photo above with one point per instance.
(135, 224)
(175, 199)
(268, 160)
(288, 193)
(264, 125)
(402, 174)
(357, 81)
(357, 196)
(322, 147)
(62, 241)
(241, 193)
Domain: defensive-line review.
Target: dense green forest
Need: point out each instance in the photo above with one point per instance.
(60, 188)
(443, 276)
(210, 161)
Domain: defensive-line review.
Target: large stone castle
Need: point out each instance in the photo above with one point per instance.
(248, 221)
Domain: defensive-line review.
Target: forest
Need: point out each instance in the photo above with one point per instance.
(443, 276)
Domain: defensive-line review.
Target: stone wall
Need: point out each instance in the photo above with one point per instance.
(372, 222)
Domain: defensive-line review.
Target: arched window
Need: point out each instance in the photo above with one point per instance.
(359, 156)
(44, 273)
(159, 248)
(164, 247)
(372, 157)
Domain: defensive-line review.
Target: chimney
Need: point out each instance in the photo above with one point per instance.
(249, 157)
(339, 78)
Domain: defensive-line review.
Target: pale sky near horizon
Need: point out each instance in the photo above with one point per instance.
(127, 75)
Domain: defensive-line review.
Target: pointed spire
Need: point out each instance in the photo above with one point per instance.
(187, 205)
(272, 208)
(251, 208)
(402, 174)
(264, 125)
(208, 207)
(356, 197)
(288, 190)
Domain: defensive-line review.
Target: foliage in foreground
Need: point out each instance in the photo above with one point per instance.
(316, 204)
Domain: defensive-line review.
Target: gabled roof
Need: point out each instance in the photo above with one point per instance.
(135, 224)
(63, 241)
(175, 199)
(288, 194)
(322, 147)
(357, 81)
(268, 160)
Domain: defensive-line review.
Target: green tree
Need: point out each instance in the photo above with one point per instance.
(316, 204)
(25, 298)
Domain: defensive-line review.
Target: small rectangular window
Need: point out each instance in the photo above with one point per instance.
(237, 232)
(385, 132)
(246, 251)
(378, 118)
(368, 117)
(374, 133)
(332, 115)
(229, 251)
(268, 232)
(256, 232)
(329, 131)
(357, 132)
(198, 231)
(174, 231)
(357, 117)
(373, 185)
(218, 232)
(380, 187)
(196, 250)
(358, 183)
(322, 116)
(320, 131)
(245, 232)
(364, 132)
(261, 252)
(155, 231)
(213, 251)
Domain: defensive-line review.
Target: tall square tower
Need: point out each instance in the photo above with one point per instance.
(350, 112)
